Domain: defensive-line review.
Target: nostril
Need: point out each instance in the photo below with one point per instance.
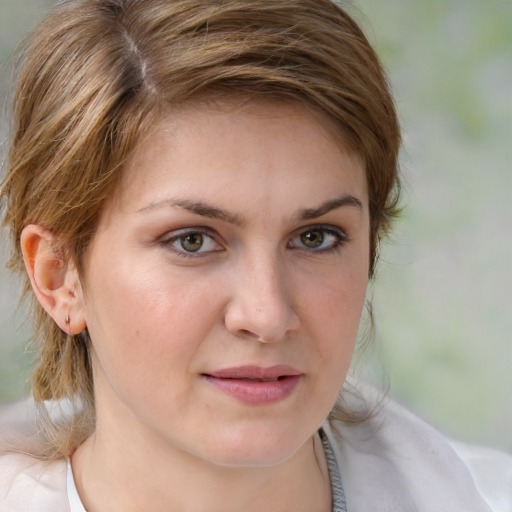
(267, 324)
(248, 334)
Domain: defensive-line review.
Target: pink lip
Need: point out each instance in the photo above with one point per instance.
(254, 384)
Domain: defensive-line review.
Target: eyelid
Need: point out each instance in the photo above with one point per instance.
(338, 232)
(170, 237)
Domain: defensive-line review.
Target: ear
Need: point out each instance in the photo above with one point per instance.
(54, 279)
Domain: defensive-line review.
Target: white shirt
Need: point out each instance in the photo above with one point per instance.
(74, 500)
(394, 462)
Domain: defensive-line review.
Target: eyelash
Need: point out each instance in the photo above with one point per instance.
(326, 230)
(175, 238)
(340, 236)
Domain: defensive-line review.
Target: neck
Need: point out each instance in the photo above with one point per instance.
(112, 474)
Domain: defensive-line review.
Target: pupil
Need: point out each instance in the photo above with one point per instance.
(312, 238)
(192, 242)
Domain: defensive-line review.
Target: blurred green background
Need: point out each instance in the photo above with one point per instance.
(443, 293)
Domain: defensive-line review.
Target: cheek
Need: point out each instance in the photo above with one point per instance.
(333, 322)
(336, 306)
(149, 321)
(337, 300)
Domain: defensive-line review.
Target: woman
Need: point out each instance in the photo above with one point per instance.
(196, 191)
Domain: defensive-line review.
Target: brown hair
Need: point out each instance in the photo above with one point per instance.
(97, 74)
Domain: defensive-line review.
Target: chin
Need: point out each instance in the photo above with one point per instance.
(258, 448)
(253, 459)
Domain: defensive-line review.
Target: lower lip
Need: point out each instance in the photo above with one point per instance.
(256, 392)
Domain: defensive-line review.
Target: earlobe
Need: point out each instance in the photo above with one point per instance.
(54, 279)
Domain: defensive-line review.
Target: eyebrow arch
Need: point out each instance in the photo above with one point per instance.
(199, 208)
(212, 212)
(332, 204)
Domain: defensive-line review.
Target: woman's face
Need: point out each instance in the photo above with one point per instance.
(224, 286)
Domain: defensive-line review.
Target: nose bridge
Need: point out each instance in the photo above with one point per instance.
(261, 306)
(266, 281)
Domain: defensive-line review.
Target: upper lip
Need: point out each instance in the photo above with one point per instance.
(255, 372)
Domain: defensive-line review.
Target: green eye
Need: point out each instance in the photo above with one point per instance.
(321, 239)
(191, 242)
(312, 239)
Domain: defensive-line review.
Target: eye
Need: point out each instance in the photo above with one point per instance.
(318, 238)
(187, 243)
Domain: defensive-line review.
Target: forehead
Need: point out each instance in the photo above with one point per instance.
(241, 147)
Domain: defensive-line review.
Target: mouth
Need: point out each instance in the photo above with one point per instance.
(256, 385)
(249, 379)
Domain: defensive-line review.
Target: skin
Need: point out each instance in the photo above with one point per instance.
(258, 291)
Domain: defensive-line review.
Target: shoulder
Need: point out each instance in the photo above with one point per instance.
(395, 461)
(27, 483)
(491, 471)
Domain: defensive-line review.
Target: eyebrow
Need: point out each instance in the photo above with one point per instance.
(199, 208)
(206, 210)
(332, 204)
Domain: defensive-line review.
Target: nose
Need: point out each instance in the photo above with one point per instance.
(260, 307)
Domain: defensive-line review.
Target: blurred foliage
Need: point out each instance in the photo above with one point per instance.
(444, 289)
(443, 293)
